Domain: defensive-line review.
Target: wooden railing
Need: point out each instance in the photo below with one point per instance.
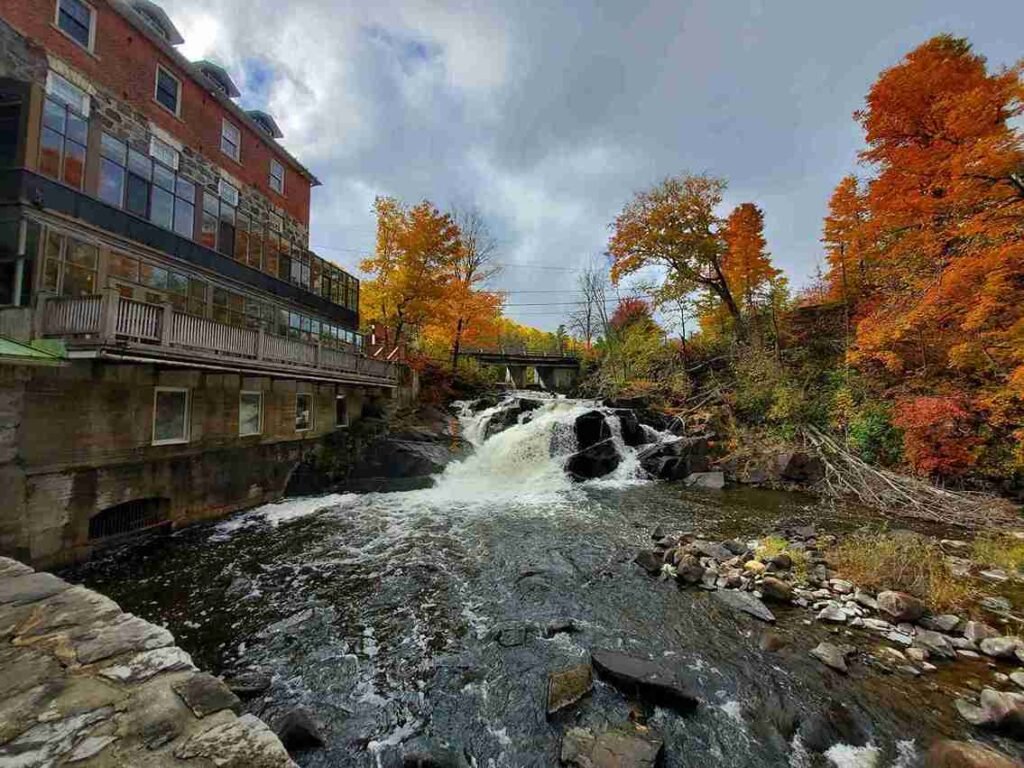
(111, 317)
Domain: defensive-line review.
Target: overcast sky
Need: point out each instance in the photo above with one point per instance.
(548, 116)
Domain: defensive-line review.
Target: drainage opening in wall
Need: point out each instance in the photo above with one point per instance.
(128, 517)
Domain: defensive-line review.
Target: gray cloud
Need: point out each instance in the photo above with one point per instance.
(549, 116)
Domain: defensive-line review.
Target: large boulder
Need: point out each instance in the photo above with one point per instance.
(964, 754)
(591, 428)
(800, 467)
(677, 458)
(998, 710)
(633, 434)
(568, 686)
(392, 459)
(646, 679)
(624, 747)
(299, 730)
(900, 606)
(597, 460)
(743, 602)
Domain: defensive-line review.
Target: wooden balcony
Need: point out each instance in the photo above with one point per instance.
(118, 328)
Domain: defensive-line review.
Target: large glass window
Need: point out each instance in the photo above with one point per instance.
(146, 187)
(219, 221)
(69, 268)
(303, 412)
(250, 413)
(228, 307)
(76, 19)
(62, 143)
(170, 416)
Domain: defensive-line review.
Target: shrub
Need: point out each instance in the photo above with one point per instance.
(904, 562)
(938, 435)
(873, 437)
(1003, 552)
(771, 546)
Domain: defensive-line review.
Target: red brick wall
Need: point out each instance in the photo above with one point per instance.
(124, 63)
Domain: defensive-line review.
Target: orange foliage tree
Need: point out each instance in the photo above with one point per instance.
(938, 434)
(746, 263)
(846, 240)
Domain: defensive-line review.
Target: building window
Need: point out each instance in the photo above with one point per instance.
(228, 307)
(146, 187)
(217, 230)
(250, 413)
(78, 21)
(231, 140)
(69, 268)
(164, 152)
(170, 415)
(65, 134)
(168, 90)
(303, 412)
(276, 176)
(340, 411)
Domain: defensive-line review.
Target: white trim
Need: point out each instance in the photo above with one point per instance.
(231, 199)
(188, 416)
(312, 411)
(166, 136)
(59, 87)
(155, 144)
(275, 162)
(156, 87)
(225, 124)
(91, 47)
(259, 394)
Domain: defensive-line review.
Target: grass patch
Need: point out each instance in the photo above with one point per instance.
(901, 562)
(770, 546)
(1000, 551)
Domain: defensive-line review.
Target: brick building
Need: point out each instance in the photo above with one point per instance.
(171, 344)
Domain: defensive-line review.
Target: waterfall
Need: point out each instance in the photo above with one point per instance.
(526, 461)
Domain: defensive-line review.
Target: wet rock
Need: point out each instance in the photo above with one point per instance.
(800, 467)
(772, 641)
(689, 570)
(935, 643)
(999, 647)
(512, 636)
(591, 428)
(424, 753)
(396, 459)
(298, 730)
(708, 480)
(30, 588)
(836, 725)
(595, 461)
(776, 589)
(239, 587)
(841, 586)
(568, 686)
(249, 684)
(633, 434)
(731, 579)
(963, 754)
(997, 605)
(642, 677)
(623, 747)
(205, 694)
(782, 561)
(145, 665)
(946, 622)
(711, 549)
(560, 626)
(745, 603)
(900, 606)
(126, 633)
(675, 459)
(658, 533)
(831, 656)
(997, 710)
(975, 631)
(649, 561)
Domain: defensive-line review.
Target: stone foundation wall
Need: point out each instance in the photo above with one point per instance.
(89, 685)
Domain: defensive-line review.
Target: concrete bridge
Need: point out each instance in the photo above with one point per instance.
(555, 372)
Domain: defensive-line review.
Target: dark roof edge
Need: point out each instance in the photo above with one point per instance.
(129, 14)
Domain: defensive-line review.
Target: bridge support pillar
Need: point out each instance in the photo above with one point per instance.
(516, 375)
(546, 377)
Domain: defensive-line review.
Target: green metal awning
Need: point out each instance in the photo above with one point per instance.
(42, 353)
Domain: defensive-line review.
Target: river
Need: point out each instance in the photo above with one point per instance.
(422, 617)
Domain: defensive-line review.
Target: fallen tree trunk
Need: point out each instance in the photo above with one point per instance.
(847, 476)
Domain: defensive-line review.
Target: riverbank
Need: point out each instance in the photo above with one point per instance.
(87, 684)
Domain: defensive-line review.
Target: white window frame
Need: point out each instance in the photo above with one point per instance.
(259, 429)
(156, 86)
(347, 416)
(224, 126)
(92, 25)
(276, 164)
(62, 89)
(312, 411)
(164, 152)
(228, 192)
(188, 416)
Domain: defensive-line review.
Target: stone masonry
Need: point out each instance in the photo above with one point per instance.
(85, 684)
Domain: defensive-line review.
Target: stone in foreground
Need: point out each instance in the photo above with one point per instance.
(623, 747)
(831, 656)
(205, 694)
(963, 754)
(998, 710)
(646, 679)
(899, 606)
(745, 603)
(568, 686)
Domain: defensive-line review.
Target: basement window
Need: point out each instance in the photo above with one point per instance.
(170, 416)
(134, 515)
(340, 411)
(303, 412)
